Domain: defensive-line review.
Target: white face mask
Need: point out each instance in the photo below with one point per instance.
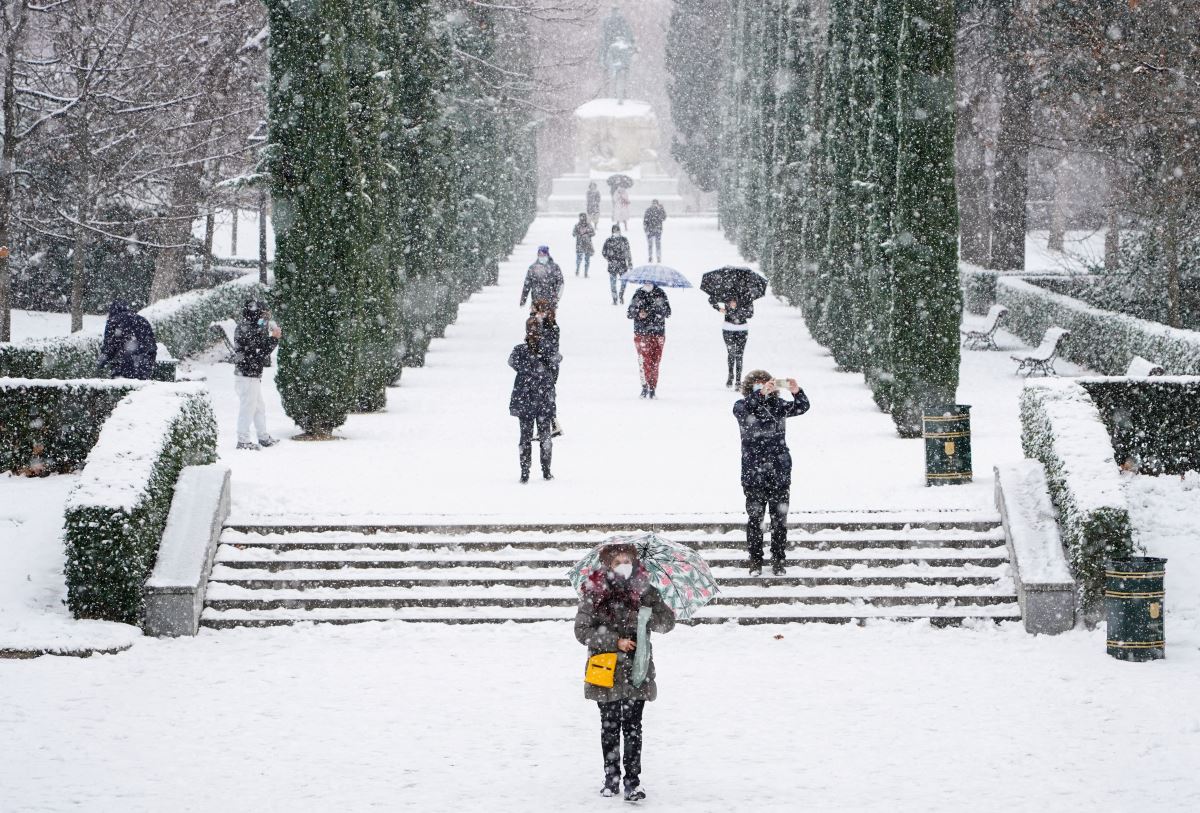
(543, 259)
(647, 288)
(624, 570)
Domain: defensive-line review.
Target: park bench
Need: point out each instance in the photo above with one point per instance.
(985, 337)
(1140, 368)
(222, 333)
(1041, 359)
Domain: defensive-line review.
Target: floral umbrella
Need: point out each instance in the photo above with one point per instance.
(677, 571)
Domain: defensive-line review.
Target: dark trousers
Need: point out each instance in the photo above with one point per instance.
(757, 504)
(617, 718)
(735, 349)
(526, 442)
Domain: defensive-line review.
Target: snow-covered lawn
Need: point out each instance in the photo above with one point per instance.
(430, 718)
(43, 324)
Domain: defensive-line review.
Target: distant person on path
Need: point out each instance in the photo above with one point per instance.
(621, 207)
(735, 331)
(254, 338)
(607, 622)
(533, 396)
(543, 280)
(766, 463)
(649, 309)
(652, 222)
(620, 259)
(593, 205)
(583, 234)
(129, 349)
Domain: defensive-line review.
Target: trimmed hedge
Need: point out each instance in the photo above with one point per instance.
(1101, 340)
(1062, 428)
(978, 287)
(56, 422)
(116, 514)
(180, 322)
(1155, 422)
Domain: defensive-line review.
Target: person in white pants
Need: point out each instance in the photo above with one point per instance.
(254, 340)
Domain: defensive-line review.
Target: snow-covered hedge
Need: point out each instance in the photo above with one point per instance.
(54, 423)
(1154, 422)
(180, 322)
(978, 287)
(1061, 428)
(116, 514)
(1101, 340)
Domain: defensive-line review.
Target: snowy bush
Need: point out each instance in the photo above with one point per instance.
(180, 322)
(1102, 340)
(1153, 422)
(978, 287)
(1061, 428)
(53, 425)
(116, 514)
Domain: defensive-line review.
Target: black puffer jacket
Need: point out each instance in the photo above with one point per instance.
(533, 394)
(129, 349)
(252, 344)
(766, 461)
(616, 251)
(740, 315)
(656, 306)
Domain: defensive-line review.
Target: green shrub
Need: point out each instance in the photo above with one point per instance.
(19, 362)
(1061, 428)
(63, 418)
(1154, 422)
(978, 288)
(1101, 340)
(116, 514)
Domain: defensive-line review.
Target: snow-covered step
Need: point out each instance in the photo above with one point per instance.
(854, 571)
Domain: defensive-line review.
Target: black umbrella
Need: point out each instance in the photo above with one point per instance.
(733, 282)
(619, 180)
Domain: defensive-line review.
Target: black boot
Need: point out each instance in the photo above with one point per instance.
(526, 462)
(545, 455)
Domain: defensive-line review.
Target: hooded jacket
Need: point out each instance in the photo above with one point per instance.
(129, 348)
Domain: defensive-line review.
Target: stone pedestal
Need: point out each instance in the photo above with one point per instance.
(611, 137)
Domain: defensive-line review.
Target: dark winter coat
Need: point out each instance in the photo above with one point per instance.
(252, 346)
(656, 306)
(616, 251)
(607, 611)
(593, 202)
(583, 233)
(543, 282)
(129, 349)
(766, 461)
(740, 315)
(533, 393)
(652, 221)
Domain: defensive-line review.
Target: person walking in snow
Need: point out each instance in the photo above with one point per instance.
(621, 207)
(583, 234)
(607, 622)
(766, 462)
(254, 338)
(652, 222)
(593, 205)
(649, 309)
(620, 259)
(129, 348)
(735, 331)
(547, 318)
(533, 396)
(543, 280)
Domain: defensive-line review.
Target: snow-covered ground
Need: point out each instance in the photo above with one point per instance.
(438, 718)
(43, 324)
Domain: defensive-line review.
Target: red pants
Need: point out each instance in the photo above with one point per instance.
(649, 350)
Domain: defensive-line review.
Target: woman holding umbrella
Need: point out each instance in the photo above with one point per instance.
(617, 611)
(732, 292)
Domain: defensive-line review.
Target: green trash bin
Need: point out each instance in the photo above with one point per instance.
(1133, 605)
(947, 433)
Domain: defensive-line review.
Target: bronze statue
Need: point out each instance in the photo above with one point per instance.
(616, 54)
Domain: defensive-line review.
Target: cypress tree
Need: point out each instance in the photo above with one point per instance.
(882, 144)
(696, 61)
(310, 164)
(928, 303)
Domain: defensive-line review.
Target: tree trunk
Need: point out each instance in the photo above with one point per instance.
(174, 232)
(1058, 209)
(974, 228)
(233, 229)
(262, 236)
(206, 262)
(77, 269)
(1171, 261)
(1012, 165)
(1112, 230)
(14, 27)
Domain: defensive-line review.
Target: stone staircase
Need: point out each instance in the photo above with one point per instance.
(943, 567)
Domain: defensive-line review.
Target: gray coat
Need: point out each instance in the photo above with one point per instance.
(600, 634)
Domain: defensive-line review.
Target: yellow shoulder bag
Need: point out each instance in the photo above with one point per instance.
(600, 669)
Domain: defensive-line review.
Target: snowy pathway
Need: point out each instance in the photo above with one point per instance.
(446, 444)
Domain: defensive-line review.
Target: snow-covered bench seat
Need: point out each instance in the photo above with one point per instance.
(1041, 359)
(985, 337)
(1141, 368)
